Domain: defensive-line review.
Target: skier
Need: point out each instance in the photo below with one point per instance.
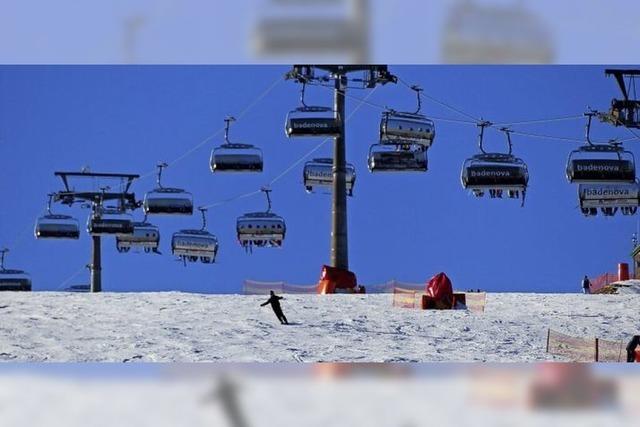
(631, 348)
(586, 285)
(274, 300)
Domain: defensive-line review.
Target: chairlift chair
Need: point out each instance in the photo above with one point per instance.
(609, 198)
(52, 226)
(234, 157)
(397, 158)
(13, 280)
(109, 222)
(145, 236)
(167, 201)
(600, 163)
(407, 128)
(194, 245)
(312, 121)
(261, 229)
(496, 173)
(318, 173)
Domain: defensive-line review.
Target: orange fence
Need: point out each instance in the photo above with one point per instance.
(254, 287)
(585, 349)
(603, 280)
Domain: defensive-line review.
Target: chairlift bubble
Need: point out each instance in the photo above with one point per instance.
(318, 173)
(145, 236)
(609, 198)
(600, 163)
(312, 121)
(407, 128)
(499, 174)
(261, 229)
(167, 201)
(234, 157)
(397, 158)
(13, 280)
(194, 245)
(109, 222)
(53, 226)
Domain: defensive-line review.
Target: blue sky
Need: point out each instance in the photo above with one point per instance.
(403, 226)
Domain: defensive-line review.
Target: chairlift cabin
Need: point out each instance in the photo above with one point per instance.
(601, 163)
(319, 173)
(109, 222)
(496, 173)
(397, 158)
(194, 245)
(52, 226)
(191, 245)
(261, 229)
(167, 201)
(233, 157)
(13, 280)
(145, 236)
(403, 128)
(609, 198)
(312, 122)
(236, 158)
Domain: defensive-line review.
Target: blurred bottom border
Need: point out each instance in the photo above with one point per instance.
(322, 394)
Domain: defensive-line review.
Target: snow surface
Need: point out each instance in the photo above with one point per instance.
(179, 327)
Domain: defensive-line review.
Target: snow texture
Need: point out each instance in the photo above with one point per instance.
(179, 327)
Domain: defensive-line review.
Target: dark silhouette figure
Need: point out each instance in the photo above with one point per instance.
(586, 285)
(274, 300)
(631, 348)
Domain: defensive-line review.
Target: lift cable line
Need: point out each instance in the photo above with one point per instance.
(290, 167)
(219, 131)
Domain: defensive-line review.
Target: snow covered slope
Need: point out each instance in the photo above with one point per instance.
(181, 327)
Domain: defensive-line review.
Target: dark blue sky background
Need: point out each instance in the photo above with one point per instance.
(403, 226)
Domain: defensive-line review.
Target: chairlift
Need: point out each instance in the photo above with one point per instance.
(319, 173)
(261, 229)
(600, 163)
(194, 245)
(109, 222)
(167, 201)
(52, 226)
(13, 280)
(496, 173)
(609, 198)
(312, 121)
(407, 128)
(145, 236)
(397, 158)
(234, 157)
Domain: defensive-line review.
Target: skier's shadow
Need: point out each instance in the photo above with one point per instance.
(292, 324)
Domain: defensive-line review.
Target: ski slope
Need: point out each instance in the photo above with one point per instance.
(179, 327)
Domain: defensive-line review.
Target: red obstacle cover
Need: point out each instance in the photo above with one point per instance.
(439, 288)
(334, 280)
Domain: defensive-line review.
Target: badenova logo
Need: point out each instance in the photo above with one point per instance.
(490, 173)
(598, 168)
(609, 192)
(311, 124)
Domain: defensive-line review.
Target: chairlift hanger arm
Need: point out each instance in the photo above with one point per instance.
(619, 76)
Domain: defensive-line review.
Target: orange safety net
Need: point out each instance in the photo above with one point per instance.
(585, 349)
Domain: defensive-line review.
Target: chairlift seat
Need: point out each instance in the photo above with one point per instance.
(236, 158)
(397, 127)
(319, 173)
(194, 243)
(495, 171)
(14, 280)
(168, 201)
(386, 158)
(312, 122)
(57, 227)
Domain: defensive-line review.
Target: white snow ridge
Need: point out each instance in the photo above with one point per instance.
(179, 327)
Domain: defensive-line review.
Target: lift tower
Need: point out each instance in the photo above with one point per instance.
(339, 74)
(95, 199)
